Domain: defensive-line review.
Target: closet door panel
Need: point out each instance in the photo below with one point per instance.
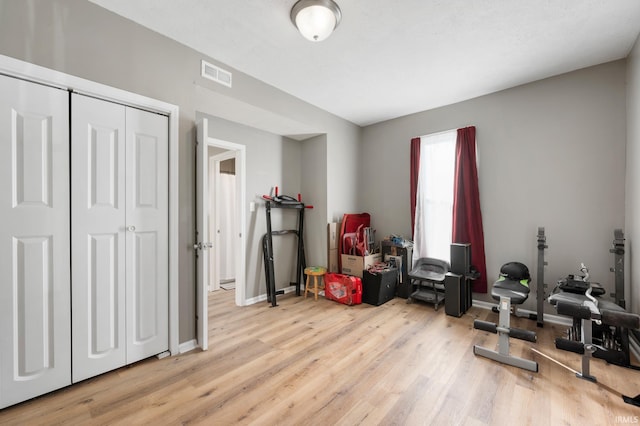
(103, 294)
(147, 239)
(98, 236)
(35, 334)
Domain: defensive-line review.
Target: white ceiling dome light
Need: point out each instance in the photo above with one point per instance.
(316, 19)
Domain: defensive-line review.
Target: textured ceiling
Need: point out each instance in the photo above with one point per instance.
(390, 58)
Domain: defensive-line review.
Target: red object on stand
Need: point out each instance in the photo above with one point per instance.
(352, 226)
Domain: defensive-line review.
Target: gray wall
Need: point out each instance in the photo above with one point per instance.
(551, 153)
(632, 225)
(344, 167)
(79, 38)
(314, 168)
(272, 160)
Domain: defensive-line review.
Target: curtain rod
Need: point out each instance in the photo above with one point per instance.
(445, 131)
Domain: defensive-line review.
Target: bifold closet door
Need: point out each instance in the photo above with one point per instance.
(35, 339)
(147, 243)
(97, 236)
(119, 244)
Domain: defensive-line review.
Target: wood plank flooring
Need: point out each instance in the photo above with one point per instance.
(310, 362)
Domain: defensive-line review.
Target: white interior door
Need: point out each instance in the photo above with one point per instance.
(202, 200)
(98, 236)
(202, 244)
(35, 337)
(119, 235)
(147, 222)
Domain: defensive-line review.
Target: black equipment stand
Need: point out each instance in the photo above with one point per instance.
(585, 316)
(618, 268)
(540, 285)
(267, 245)
(611, 333)
(504, 330)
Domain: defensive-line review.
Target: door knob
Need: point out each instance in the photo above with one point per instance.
(131, 228)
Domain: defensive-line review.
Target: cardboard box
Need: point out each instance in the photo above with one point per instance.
(332, 245)
(354, 265)
(333, 261)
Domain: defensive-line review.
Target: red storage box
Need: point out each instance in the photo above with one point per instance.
(342, 288)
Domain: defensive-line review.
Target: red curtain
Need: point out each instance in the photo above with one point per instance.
(414, 171)
(467, 218)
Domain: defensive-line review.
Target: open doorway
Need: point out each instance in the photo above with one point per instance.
(205, 243)
(222, 219)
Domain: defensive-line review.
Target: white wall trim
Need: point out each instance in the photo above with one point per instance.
(263, 296)
(241, 209)
(202, 305)
(188, 346)
(241, 170)
(17, 68)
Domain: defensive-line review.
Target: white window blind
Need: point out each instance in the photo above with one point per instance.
(434, 198)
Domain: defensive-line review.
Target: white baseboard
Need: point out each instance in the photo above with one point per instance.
(551, 318)
(263, 297)
(187, 346)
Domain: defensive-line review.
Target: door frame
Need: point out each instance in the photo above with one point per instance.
(204, 142)
(215, 171)
(31, 72)
(214, 264)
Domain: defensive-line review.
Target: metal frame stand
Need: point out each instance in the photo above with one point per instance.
(504, 331)
(618, 268)
(540, 285)
(585, 346)
(267, 247)
(589, 349)
(583, 316)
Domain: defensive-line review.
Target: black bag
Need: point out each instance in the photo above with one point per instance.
(571, 285)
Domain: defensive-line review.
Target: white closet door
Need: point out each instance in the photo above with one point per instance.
(34, 240)
(147, 159)
(98, 236)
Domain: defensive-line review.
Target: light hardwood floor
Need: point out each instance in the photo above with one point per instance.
(322, 363)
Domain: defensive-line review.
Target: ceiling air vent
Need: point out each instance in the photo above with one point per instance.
(216, 74)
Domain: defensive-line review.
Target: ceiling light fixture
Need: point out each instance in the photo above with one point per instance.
(316, 19)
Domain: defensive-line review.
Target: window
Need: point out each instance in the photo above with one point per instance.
(434, 198)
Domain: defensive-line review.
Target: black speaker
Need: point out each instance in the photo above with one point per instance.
(468, 288)
(380, 287)
(455, 295)
(460, 258)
